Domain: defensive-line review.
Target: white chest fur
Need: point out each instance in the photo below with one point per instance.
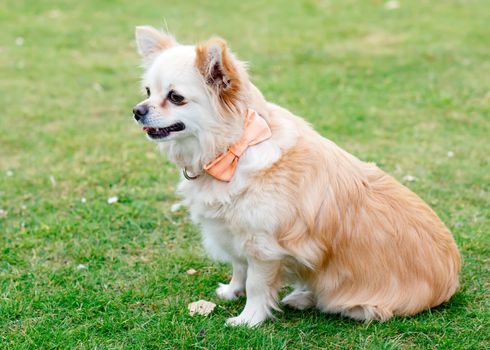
(233, 216)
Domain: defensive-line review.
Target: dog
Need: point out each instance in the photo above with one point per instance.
(282, 204)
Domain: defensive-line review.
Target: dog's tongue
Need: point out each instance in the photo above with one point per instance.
(147, 128)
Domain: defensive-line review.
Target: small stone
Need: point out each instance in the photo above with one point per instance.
(409, 178)
(3, 212)
(450, 154)
(19, 41)
(176, 206)
(201, 307)
(81, 267)
(191, 272)
(83, 200)
(9, 173)
(112, 200)
(55, 13)
(97, 87)
(392, 5)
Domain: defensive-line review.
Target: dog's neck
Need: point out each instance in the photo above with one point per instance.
(192, 153)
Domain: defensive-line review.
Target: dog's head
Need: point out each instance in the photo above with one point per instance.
(195, 95)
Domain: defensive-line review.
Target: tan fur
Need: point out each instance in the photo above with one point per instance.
(373, 248)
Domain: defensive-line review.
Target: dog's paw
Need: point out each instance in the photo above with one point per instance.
(244, 321)
(251, 316)
(299, 300)
(229, 292)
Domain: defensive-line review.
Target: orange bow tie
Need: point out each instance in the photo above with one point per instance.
(255, 130)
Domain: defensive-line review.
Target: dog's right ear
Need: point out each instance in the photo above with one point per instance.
(151, 41)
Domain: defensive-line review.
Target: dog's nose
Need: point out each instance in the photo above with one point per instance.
(140, 111)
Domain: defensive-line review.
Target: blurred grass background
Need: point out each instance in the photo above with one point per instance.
(405, 84)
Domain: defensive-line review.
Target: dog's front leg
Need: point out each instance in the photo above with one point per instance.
(236, 287)
(263, 281)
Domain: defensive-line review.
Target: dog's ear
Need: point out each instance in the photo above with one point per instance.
(151, 41)
(219, 68)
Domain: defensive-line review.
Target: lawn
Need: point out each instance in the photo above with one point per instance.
(404, 84)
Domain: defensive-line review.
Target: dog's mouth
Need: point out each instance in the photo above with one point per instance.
(160, 133)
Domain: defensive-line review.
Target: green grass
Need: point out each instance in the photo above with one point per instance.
(399, 87)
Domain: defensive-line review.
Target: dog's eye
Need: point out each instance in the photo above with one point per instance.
(175, 98)
(148, 91)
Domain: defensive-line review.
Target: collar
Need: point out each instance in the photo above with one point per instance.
(222, 168)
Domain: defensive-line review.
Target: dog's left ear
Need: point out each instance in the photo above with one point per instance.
(220, 69)
(151, 41)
